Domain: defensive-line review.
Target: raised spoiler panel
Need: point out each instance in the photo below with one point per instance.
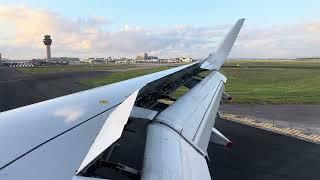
(163, 86)
(110, 131)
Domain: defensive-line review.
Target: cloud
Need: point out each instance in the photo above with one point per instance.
(22, 29)
(289, 41)
(29, 25)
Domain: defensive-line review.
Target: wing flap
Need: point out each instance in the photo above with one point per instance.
(169, 156)
(194, 114)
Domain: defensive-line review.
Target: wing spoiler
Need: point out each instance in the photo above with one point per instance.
(110, 131)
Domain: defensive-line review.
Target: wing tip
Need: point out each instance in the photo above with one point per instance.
(215, 60)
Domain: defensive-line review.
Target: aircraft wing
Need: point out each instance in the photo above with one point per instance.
(60, 138)
(178, 138)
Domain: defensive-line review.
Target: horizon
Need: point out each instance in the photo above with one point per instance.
(164, 29)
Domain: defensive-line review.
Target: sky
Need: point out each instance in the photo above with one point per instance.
(126, 28)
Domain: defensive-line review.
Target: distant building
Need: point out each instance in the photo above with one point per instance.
(94, 60)
(153, 58)
(145, 56)
(139, 58)
(47, 41)
(185, 59)
(162, 60)
(39, 62)
(171, 60)
(174, 60)
(109, 59)
(64, 60)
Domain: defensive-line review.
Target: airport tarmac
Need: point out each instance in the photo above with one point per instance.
(256, 153)
(263, 155)
(302, 117)
(17, 89)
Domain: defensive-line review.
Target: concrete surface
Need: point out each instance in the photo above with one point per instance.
(303, 117)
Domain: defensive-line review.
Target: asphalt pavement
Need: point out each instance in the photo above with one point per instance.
(263, 155)
(17, 89)
(298, 116)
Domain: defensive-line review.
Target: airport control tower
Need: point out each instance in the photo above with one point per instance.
(47, 41)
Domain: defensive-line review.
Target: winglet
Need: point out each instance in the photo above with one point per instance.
(110, 131)
(215, 60)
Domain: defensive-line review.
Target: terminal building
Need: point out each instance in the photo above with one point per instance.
(94, 60)
(64, 60)
(186, 59)
(147, 57)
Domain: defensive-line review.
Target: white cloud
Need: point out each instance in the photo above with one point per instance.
(299, 40)
(22, 30)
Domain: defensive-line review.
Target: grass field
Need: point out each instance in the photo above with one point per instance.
(292, 64)
(273, 82)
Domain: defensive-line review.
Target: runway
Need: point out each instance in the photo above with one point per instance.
(17, 89)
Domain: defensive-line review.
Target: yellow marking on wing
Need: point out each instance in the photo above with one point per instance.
(103, 101)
